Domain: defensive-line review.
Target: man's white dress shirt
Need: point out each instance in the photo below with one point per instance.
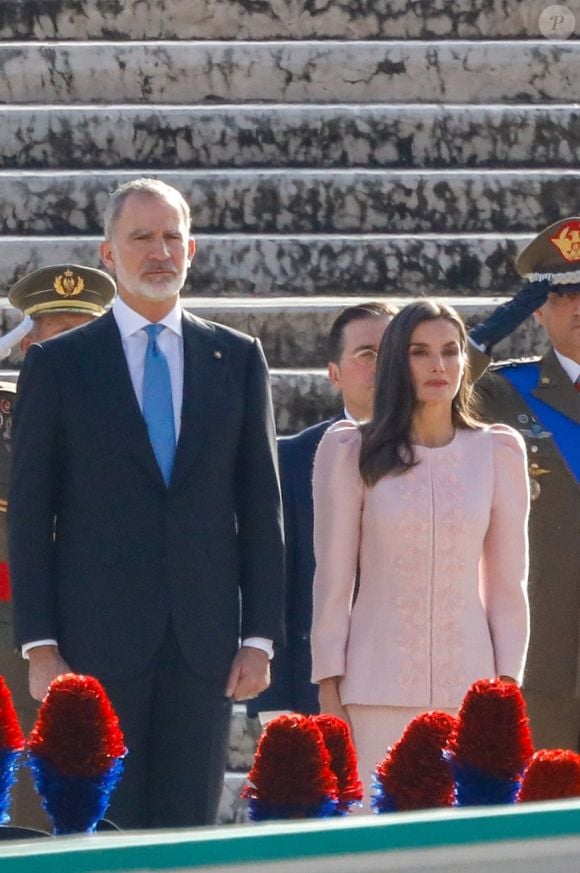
(570, 367)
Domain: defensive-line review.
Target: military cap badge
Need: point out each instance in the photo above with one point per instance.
(68, 284)
(567, 241)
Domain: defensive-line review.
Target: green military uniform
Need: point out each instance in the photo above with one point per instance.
(539, 399)
(59, 290)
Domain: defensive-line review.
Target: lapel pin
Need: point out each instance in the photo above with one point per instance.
(217, 355)
(545, 380)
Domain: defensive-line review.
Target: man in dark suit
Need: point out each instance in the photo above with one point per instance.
(145, 510)
(541, 399)
(353, 344)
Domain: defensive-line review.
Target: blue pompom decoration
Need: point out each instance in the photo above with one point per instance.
(9, 763)
(381, 800)
(473, 787)
(74, 804)
(260, 811)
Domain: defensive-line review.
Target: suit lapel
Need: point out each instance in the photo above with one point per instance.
(555, 388)
(204, 360)
(105, 370)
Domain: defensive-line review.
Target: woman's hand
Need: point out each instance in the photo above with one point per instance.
(329, 698)
(509, 679)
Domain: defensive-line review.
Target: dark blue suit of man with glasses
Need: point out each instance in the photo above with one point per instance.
(352, 350)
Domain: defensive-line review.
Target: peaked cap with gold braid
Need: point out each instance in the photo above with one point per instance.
(554, 255)
(67, 288)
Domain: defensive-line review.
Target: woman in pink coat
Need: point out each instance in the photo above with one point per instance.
(432, 508)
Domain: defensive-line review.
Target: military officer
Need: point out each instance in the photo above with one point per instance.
(52, 300)
(540, 397)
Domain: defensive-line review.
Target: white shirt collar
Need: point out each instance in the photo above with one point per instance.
(129, 321)
(350, 417)
(570, 367)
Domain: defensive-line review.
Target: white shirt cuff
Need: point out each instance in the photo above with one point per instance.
(260, 643)
(253, 642)
(28, 646)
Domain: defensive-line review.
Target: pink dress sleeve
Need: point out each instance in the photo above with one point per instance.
(338, 501)
(504, 565)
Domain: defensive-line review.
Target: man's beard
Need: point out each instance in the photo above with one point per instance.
(162, 288)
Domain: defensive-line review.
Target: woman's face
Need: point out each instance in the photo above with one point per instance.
(436, 361)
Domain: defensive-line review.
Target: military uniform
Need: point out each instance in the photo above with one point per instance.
(58, 290)
(12, 666)
(538, 398)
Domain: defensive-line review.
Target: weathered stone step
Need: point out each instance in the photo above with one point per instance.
(261, 266)
(388, 136)
(244, 735)
(289, 72)
(294, 19)
(305, 201)
(301, 396)
(233, 809)
(294, 335)
(294, 331)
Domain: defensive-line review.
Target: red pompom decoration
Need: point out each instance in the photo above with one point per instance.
(77, 731)
(291, 768)
(552, 774)
(492, 733)
(343, 761)
(5, 587)
(414, 774)
(11, 737)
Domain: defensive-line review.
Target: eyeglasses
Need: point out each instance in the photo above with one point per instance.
(366, 356)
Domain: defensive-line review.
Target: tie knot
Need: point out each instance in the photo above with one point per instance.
(153, 331)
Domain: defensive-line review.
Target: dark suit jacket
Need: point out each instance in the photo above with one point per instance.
(553, 663)
(103, 554)
(291, 687)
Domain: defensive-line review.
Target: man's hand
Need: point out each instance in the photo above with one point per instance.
(249, 675)
(45, 664)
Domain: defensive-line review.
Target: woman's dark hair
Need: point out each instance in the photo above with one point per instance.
(386, 438)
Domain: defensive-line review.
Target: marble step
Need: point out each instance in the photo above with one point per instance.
(244, 735)
(244, 19)
(233, 809)
(381, 136)
(289, 72)
(301, 396)
(304, 201)
(294, 336)
(294, 331)
(261, 266)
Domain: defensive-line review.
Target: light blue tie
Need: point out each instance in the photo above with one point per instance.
(158, 402)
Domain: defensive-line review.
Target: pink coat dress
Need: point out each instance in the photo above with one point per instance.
(443, 569)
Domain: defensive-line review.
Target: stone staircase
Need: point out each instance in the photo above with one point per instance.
(332, 150)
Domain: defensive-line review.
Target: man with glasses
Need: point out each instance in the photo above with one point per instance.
(353, 345)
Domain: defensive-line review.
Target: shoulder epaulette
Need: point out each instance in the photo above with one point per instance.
(513, 362)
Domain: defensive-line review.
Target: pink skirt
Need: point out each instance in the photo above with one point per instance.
(374, 729)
